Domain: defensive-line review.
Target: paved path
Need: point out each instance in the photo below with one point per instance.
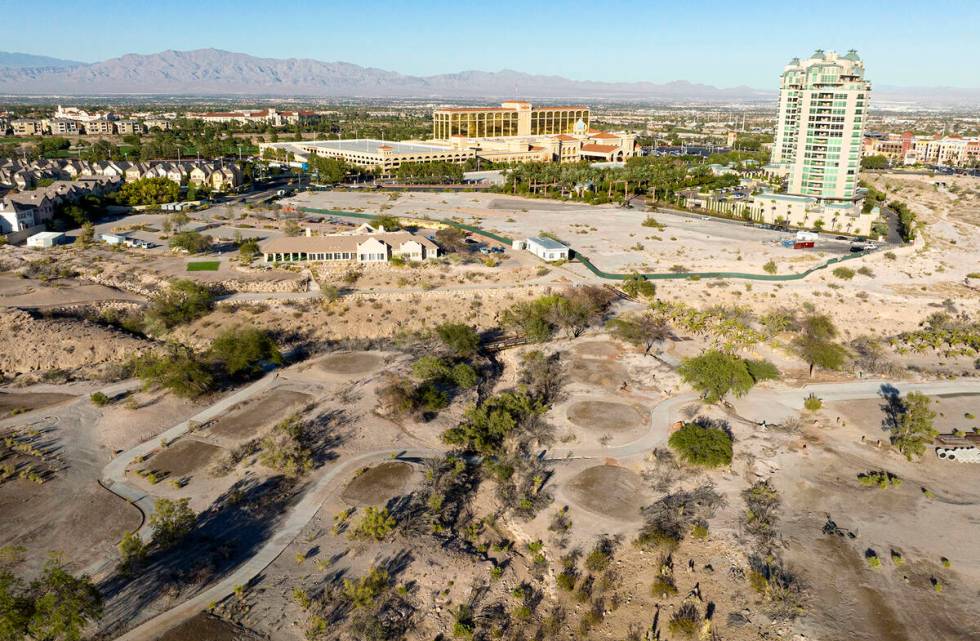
(662, 416)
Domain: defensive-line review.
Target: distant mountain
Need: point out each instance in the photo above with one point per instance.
(214, 72)
(16, 60)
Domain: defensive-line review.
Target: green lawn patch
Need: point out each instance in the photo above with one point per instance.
(204, 266)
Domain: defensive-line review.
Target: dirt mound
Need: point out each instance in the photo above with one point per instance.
(378, 484)
(608, 490)
(351, 363)
(184, 457)
(606, 416)
(40, 345)
(605, 374)
(17, 402)
(597, 349)
(205, 627)
(247, 418)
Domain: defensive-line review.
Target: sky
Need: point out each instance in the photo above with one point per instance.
(722, 43)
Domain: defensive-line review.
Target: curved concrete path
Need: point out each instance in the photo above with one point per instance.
(662, 416)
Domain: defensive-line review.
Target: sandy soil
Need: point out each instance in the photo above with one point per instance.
(379, 484)
(608, 490)
(245, 421)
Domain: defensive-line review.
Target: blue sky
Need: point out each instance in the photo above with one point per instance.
(724, 43)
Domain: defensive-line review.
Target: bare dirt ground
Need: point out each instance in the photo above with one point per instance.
(245, 420)
(608, 490)
(379, 484)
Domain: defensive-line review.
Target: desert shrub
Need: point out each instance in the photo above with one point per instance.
(686, 620)
(176, 369)
(285, 449)
(762, 370)
(132, 552)
(879, 478)
(702, 444)
(913, 429)
(364, 591)
(642, 330)
(182, 302)
(600, 556)
(872, 558)
(99, 399)
(844, 273)
(812, 402)
(815, 343)
(190, 241)
(171, 521)
(770, 267)
(464, 376)
(636, 286)
(376, 524)
(762, 506)
(461, 339)
(485, 426)
(240, 351)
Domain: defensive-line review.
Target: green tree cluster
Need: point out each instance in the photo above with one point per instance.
(703, 444)
(715, 374)
(148, 191)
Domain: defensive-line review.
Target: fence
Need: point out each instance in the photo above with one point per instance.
(595, 270)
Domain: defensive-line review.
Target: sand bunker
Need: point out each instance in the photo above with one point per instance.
(597, 349)
(183, 457)
(608, 490)
(606, 416)
(605, 374)
(247, 418)
(27, 401)
(377, 485)
(204, 627)
(351, 363)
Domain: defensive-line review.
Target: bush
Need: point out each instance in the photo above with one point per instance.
(240, 351)
(812, 402)
(879, 478)
(715, 373)
(650, 221)
(363, 592)
(844, 273)
(182, 302)
(376, 524)
(686, 620)
(176, 370)
(703, 445)
(190, 241)
(99, 399)
(464, 376)
(460, 338)
(171, 521)
(285, 450)
(874, 561)
(770, 267)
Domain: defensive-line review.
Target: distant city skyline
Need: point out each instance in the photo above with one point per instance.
(725, 44)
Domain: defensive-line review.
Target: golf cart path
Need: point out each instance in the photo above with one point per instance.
(662, 416)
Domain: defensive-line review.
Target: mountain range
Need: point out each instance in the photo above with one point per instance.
(213, 72)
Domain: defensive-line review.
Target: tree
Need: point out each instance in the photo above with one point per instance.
(242, 350)
(460, 338)
(57, 606)
(914, 429)
(874, 162)
(642, 330)
(815, 343)
(292, 228)
(132, 551)
(485, 427)
(178, 219)
(176, 370)
(87, 234)
(182, 302)
(248, 249)
(171, 521)
(636, 286)
(390, 223)
(701, 443)
(715, 373)
(149, 191)
(190, 241)
(451, 239)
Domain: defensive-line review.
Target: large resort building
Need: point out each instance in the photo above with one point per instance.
(513, 118)
(513, 132)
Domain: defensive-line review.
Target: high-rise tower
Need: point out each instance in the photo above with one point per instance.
(823, 105)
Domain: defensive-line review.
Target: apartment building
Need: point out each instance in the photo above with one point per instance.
(163, 124)
(948, 151)
(129, 127)
(61, 126)
(269, 116)
(100, 127)
(27, 127)
(823, 104)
